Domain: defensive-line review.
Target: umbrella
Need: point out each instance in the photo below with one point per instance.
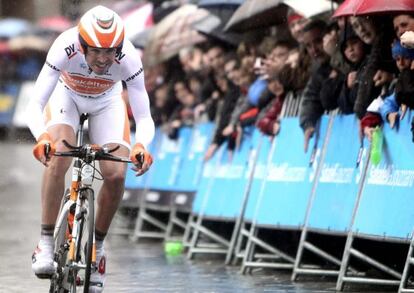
(124, 6)
(254, 14)
(141, 39)
(57, 23)
(11, 27)
(310, 8)
(207, 3)
(361, 7)
(173, 33)
(138, 20)
(212, 27)
(29, 43)
(4, 47)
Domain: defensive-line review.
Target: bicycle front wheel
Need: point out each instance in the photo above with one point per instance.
(61, 248)
(87, 241)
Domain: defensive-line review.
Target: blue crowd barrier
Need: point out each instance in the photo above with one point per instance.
(289, 177)
(225, 192)
(206, 181)
(8, 98)
(386, 205)
(263, 146)
(191, 167)
(140, 182)
(167, 160)
(339, 178)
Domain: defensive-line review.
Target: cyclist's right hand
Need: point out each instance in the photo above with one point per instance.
(44, 149)
(141, 159)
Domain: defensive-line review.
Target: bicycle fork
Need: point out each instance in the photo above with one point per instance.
(79, 175)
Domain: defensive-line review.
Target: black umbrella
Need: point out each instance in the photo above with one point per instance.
(212, 27)
(254, 14)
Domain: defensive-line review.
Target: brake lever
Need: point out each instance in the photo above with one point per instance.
(69, 146)
(112, 150)
(140, 159)
(47, 149)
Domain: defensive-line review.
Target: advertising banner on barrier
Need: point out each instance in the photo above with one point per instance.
(167, 161)
(386, 204)
(289, 176)
(227, 189)
(8, 99)
(207, 179)
(192, 156)
(19, 117)
(140, 182)
(262, 160)
(337, 189)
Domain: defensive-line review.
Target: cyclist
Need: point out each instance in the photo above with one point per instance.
(83, 73)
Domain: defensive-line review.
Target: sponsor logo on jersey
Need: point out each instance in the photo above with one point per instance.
(87, 85)
(119, 55)
(135, 74)
(52, 66)
(70, 51)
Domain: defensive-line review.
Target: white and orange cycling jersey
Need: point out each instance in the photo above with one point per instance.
(67, 87)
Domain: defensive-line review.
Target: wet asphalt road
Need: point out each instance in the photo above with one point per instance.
(132, 267)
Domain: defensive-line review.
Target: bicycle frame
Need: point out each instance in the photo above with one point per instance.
(82, 179)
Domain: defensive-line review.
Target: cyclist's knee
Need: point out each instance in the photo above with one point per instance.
(116, 178)
(58, 166)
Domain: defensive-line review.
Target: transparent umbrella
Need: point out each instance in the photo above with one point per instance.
(173, 33)
(11, 27)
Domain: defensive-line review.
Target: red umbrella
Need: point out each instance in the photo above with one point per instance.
(57, 23)
(361, 7)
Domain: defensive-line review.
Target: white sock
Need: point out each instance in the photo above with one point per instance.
(46, 240)
(99, 245)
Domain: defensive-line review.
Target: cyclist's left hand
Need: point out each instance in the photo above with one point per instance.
(44, 149)
(141, 159)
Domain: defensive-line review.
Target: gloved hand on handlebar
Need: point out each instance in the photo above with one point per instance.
(44, 149)
(141, 159)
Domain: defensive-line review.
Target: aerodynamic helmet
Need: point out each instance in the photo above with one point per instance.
(100, 27)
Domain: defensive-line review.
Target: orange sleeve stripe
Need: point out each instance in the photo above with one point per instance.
(47, 113)
(127, 128)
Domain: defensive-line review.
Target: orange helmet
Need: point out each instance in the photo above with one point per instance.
(100, 27)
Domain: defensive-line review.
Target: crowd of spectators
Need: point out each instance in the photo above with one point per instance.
(353, 64)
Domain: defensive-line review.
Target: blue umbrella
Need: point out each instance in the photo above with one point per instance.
(11, 27)
(207, 3)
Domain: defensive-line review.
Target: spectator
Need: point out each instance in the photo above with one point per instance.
(310, 107)
(354, 51)
(270, 123)
(379, 71)
(399, 95)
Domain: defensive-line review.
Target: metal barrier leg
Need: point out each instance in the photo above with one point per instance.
(140, 221)
(299, 254)
(170, 225)
(250, 247)
(408, 262)
(345, 261)
(236, 231)
(238, 249)
(194, 238)
(188, 229)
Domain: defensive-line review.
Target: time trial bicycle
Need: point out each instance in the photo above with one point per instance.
(75, 251)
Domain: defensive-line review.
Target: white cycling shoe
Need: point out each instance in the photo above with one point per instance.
(42, 260)
(97, 280)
